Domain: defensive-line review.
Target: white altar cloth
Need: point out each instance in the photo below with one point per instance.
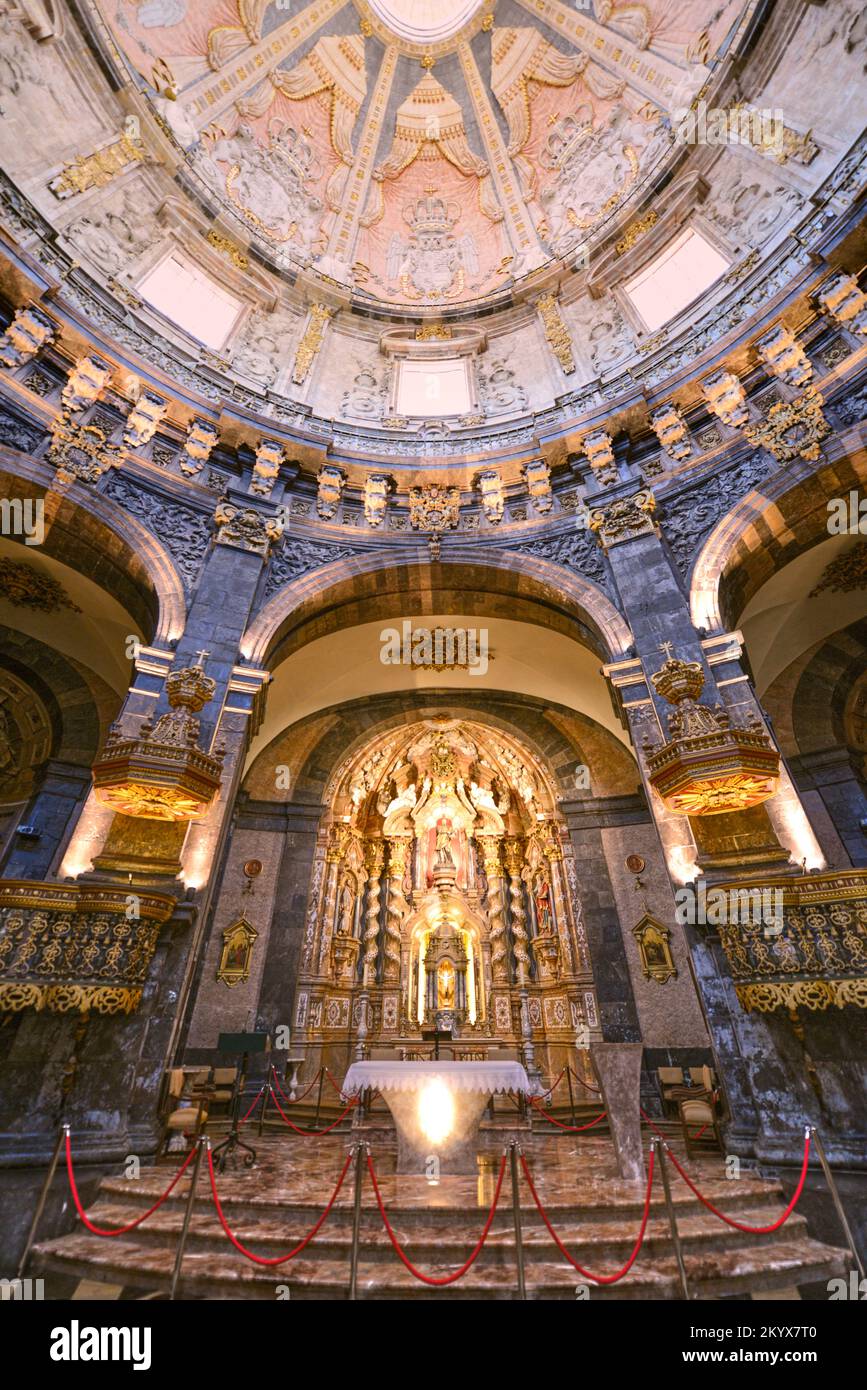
(489, 1078)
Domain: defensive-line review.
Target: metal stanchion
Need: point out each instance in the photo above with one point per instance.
(356, 1221)
(672, 1219)
(835, 1197)
(43, 1198)
(571, 1096)
(319, 1097)
(265, 1097)
(516, 1212)
(188, 1213)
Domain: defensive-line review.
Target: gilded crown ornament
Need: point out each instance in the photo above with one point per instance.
(709, 765)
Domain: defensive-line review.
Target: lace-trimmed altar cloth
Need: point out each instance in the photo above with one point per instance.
(487, 1077)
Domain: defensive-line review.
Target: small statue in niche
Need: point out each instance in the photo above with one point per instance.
(444, 843)
(544, 909)
(346, 914)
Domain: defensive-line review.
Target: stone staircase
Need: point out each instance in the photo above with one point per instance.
(272, 1207)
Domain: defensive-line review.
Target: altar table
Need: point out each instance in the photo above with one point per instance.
(437, 1107)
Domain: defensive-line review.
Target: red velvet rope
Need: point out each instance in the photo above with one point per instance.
(573, 1129)
(595, 1089)
(276, 1259)
(596, 1278)
(335, 1085)
(298, 1099)
(121, 1230)
(553, 1088)
(310, 1133)
(739, 1226)
(245, 1118)
(426, 1278)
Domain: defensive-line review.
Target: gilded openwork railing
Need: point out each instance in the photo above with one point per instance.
(814, 955)
(66, 947)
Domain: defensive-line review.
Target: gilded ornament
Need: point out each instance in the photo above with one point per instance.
(229, 249)
(311, 342)
(709, 765)
(635, 232)
(792, 429)
(556, 332)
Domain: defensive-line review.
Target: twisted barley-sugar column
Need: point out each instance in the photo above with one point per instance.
(514, 855)
(396, 906)
(333, 857)
(490, 847)
(374, 858)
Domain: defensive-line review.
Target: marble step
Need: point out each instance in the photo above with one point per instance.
(598, 1245)
(734, 1272)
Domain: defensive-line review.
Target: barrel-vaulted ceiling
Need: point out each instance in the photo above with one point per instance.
(423, 152)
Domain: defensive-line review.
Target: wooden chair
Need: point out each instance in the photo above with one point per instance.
(698, 1112)
(670, 1081)
(187, 1104)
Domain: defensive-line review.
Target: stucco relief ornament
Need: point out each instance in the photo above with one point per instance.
(433, 264)
(200, 440)
(434, 508)
(80, 453)
(29, 332)
(329, 487)
(246, 528)
(377, 487)
(623, 520)
(272, 182)
(793, 428)
(490, 487)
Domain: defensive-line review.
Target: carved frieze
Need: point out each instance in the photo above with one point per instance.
(80, 452)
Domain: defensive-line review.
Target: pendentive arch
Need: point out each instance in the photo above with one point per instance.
(86, 532)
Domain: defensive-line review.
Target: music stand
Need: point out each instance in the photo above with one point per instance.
(234, 1044)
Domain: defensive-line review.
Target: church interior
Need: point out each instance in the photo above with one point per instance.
(433, 649)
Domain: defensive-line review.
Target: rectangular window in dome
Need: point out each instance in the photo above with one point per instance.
(438, 387)
(188, 297)
(687, 267)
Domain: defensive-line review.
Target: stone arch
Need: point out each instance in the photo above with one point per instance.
(107, 545)
(559, 740)
(767, 529)
(335, 595)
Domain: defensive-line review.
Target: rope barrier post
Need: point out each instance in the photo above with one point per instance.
(516, 1212)
(43, 1198)
(188, 1214)
(835, 1197)
(661, 1148)
(571, 1095)
(319, 1097)
(356, 1222)
(266, 1092)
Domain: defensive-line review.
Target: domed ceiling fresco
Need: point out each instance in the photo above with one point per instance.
(423, 154)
